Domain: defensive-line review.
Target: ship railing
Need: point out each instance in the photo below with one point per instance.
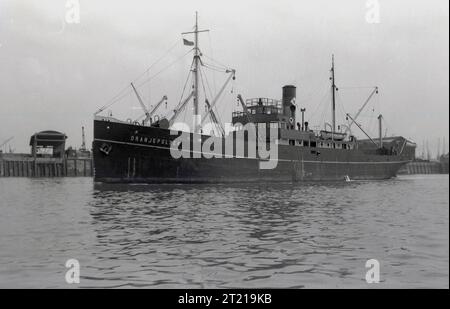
(263, 101)
(265, 110)
(238, 114)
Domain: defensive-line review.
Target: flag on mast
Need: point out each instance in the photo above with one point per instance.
(188, 43)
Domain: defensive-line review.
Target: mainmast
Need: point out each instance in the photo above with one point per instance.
(195, 71)
(333, 100)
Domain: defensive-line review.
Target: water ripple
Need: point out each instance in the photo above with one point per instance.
(224, 236)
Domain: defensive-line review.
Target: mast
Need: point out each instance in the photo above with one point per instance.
(380, 130)
(423, 149)
(443, 148)
(333, 100)
(195, 71)
(302, 110)
(197, 115)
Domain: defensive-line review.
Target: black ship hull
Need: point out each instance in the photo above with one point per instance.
(141, 154)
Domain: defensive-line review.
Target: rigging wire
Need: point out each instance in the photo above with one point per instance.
(203, 86)
(325, 111)
(184, 115)
(341, 105)
(168, 66)
(204, 91)
(318, 106)
(325, 98)
(141, 84)
(217, 62)
(307, 97)
(184, 87)
(115, 99)
(202, 82)
(357, 87)
(370, 114)
(120, 95)
(212, 55)
(165, 68)
(207, 84)
(371, 122)
(214, 68)
(159, 59)
(387, 125)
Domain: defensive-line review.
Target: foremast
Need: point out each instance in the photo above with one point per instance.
(197, 115)
(195, 71)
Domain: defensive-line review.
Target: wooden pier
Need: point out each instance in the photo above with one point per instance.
(58, 163)
(422, 167)
(19, 165)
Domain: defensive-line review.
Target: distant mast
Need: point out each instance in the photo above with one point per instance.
(443, 148)
(333, 100)
(438, 149)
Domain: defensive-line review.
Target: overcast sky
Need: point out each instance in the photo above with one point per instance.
(55, 74)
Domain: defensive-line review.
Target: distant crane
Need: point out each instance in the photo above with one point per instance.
(6, 142)
(83, 140)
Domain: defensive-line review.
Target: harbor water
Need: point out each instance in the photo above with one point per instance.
(313, 235)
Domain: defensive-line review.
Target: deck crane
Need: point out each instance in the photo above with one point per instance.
(148, 114)
(214, 118)
(362, 130)
(210, 105)
(241, 100)
(152, 112)
(374, 91)
(179, 108)
(216, 98)
(244, 107)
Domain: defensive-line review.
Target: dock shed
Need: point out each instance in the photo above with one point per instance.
(48, 144)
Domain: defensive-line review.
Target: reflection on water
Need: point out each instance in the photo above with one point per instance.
(207, 236)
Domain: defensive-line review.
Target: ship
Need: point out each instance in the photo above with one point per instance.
(156, 150)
